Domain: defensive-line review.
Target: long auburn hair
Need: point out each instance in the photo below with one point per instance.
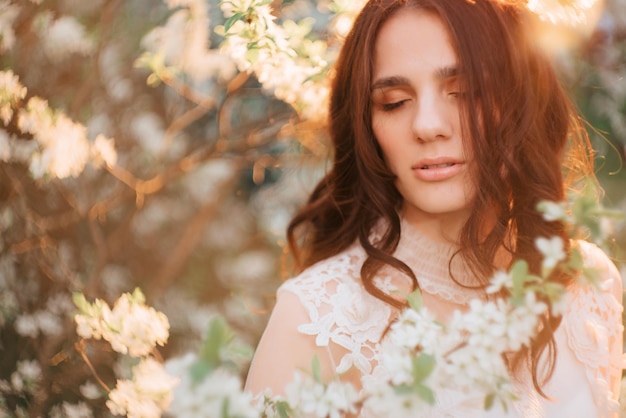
(523, 131)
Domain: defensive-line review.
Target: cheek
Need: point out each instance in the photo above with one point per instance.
(386, 137)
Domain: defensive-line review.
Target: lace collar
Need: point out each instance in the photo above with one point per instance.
(430, 261)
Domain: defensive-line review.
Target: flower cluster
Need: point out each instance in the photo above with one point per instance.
(308, 396)
(63, 37)
(92, 228)
(135, 329)
(217, 394)
(283, 58)
(146, 395)
(11, 92)
(62, 149)
(130, 327)
(182, 44)
(425, 358)
(295, 68)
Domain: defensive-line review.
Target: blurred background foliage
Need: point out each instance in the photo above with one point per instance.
(209, 170)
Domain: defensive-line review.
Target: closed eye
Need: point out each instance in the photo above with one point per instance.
(457, 94)
(387, 107)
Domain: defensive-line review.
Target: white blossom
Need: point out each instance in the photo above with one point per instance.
(64, 149)
(8, 13)
(500, 280)
(384, 401)
(265, 48)
(5, 146)
(90, 390)
(552, 250)
(40, 322)
(11, 92)
(78, 410)
(26, 326)
(130, 327)
(103, 151)
(29, 369)
(553, 211)
(35, 117)
(315, 399)
(26, 376)
(60, 304)
(210, 395)
(413, 329)
(146, 395)
(89, 322)
(184, 41)
(147, 128)
(64, 37)
(134, 328)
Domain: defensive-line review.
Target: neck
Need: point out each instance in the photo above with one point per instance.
(444, 228)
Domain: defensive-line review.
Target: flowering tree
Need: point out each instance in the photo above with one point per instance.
(181, 186)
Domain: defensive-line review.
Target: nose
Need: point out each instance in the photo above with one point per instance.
(432, 119)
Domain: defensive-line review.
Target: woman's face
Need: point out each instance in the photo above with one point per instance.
(416, 102)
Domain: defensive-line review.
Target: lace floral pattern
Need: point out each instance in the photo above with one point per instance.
(341, 311)
(593, 324)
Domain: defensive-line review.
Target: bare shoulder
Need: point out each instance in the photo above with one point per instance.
(283, 349)
(302, 325)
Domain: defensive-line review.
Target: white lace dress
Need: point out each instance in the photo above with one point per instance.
(347, 323)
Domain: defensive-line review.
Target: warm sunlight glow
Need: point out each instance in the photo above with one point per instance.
(564, 24)
(569, 12)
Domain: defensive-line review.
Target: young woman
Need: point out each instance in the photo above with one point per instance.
(448, 126)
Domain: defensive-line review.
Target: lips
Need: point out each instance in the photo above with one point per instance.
(431, 166)
(437, 169)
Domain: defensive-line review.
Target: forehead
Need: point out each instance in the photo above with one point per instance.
(412, 41)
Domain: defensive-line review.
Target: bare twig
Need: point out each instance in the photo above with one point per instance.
(80, 348)
(188, 241)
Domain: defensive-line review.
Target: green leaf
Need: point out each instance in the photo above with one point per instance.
(218, 336)
(576, 261)
(81, 302)
(519, 272)
(138, 296)
(425, 393)
(404, 389)
(153, 80)
(237, 351)
(231, 21)
(489, 400)
(199, 370)
(554, 291)
(423, 366)
(415, 300)
(316, 369)
(283, 409)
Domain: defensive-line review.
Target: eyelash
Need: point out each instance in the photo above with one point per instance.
(388, 107)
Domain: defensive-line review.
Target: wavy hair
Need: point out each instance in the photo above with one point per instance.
(523, 131)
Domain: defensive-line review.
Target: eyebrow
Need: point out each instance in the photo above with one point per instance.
(394, 81)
